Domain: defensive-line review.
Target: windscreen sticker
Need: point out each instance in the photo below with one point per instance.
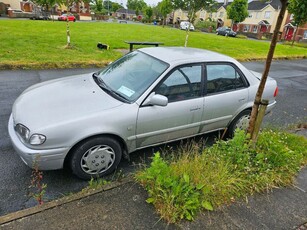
(126, 91)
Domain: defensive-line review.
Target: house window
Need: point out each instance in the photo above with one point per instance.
(255, 29)
(267, 14)
(246, 28)
(221, 14)
(202, 14)
(250, 15)
(305, 34)
(291, 17)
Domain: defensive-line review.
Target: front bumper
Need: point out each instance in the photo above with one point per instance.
(45, 159)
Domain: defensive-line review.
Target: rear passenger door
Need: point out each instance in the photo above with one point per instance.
(226, 94)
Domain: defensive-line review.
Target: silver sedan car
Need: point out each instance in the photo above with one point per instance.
(147, 97)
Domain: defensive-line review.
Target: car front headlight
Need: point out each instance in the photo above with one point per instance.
(24, 133)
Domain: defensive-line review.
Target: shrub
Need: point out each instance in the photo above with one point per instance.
(241, 36)
(192, 179)
(204, 25)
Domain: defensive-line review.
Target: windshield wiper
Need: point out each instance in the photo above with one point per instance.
(100, 82)
(119, 95)
(106, 88)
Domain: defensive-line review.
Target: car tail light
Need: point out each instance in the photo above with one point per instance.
(276, 91)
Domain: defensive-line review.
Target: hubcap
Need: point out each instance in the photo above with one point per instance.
(97, 159)
(243, 123)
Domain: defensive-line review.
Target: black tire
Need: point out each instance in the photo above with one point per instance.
(240, 122)
(95, 157)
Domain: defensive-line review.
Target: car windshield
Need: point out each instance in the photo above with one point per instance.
(131, 75)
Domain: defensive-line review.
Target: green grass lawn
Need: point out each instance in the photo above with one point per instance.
(41, 44)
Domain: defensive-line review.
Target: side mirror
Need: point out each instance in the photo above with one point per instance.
(156, 99)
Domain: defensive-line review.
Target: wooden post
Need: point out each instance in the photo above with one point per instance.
(260, 115)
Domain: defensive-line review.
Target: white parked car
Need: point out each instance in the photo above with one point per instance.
(184, 25)
(147, 97)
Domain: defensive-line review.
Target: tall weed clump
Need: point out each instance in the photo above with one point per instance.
(193, 179)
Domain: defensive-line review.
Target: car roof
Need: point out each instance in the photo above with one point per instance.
(177, 55)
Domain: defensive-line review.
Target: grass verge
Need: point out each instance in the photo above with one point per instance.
(41, 44)
(198, 179)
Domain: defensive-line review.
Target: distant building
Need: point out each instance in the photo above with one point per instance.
(262, 18)
(220, 16)
(20, 8)
(290, 28)
(127, 14)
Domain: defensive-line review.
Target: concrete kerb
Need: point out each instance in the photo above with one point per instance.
(55, 203)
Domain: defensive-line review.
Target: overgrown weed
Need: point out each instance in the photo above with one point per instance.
(193, 178)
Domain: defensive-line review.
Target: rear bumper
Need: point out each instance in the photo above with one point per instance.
(270, 107)
(45, 159)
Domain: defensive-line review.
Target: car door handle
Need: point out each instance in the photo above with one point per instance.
(194, 109)
(242, 99)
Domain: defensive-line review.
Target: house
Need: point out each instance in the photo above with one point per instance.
(17, 8)
(26, 8)
(76, 8)
(262, 18)
(220, 16)
(16, 5)
(180, 15)
(290, 29)
(127, 14)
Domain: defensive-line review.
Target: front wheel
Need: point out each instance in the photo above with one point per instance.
(240, 122)
(96, 157)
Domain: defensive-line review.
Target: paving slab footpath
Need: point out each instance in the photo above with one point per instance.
(121, 205)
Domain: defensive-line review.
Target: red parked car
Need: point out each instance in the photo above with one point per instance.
(63, 17)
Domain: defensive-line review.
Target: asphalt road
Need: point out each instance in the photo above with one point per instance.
(15, 176)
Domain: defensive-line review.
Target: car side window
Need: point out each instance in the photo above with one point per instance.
(182, 84)
(223, 77)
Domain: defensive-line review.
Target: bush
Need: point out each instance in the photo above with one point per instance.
(205, 25)
(241, 36)
(192, 179)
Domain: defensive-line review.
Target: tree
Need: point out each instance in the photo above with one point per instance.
(165, 7)
(137, 5)
(237, 11)
(260, 90)
(115, 6)
(98, 5)
(192, 6)
(149, 13)
(299, 10)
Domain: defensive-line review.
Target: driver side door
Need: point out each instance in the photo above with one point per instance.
(181, 117)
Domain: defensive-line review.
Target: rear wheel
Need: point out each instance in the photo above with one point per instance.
(240, 122)
(96, 157)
